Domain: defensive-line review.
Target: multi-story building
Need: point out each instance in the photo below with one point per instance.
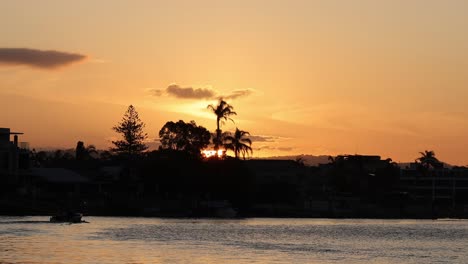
(13, 156)
(440, 190)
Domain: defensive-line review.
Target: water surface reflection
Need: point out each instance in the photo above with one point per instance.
(155, 240)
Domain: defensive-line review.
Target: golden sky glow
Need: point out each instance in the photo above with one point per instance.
(305, 77)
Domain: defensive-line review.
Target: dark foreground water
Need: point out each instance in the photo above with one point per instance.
(259, 240)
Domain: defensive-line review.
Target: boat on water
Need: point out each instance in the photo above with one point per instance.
(68, 217)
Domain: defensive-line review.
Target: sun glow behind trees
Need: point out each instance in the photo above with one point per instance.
(208, 153)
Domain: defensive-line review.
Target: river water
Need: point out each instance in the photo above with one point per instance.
(256, 240)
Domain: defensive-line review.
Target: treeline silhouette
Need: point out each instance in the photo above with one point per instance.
(179, 180)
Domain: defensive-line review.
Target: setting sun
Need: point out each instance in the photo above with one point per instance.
(208, 153)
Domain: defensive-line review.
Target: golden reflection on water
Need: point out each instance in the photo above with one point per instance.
(78, 243)
(153, 240)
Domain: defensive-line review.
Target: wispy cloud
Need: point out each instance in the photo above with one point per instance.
(264, 138)
(285, 148)
(198, 93)
(45, 59)
(156, 92)
(269, 142)
(272, 144)
(274, 148)
(238, 93)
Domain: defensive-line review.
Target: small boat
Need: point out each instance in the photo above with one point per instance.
(68, 217)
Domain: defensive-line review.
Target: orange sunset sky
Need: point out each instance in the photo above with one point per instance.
(327, 77)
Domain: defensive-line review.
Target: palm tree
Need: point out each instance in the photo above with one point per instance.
(428, 160)
(222, 111)
(239, 143)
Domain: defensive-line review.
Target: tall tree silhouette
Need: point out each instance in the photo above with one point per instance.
(239, 143)
(131, 129)
(223, 111)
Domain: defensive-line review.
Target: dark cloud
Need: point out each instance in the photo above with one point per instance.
(198, 93)
(46, 59)
(238, 93)
(189, 92)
